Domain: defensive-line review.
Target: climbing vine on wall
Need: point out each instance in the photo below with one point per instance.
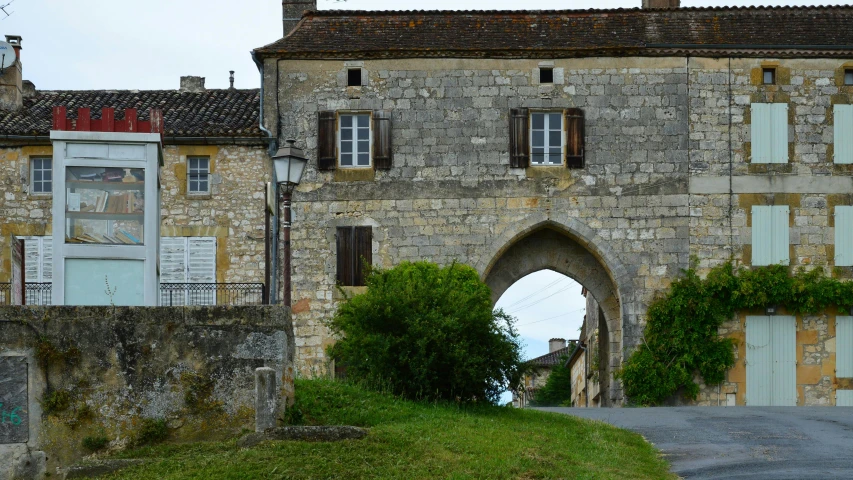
(681, 336)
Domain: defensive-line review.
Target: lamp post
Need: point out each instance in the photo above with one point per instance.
(289, 164)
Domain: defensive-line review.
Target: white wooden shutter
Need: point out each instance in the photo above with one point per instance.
(783, 336)
(173, 269)
(759, 361)
(762, 246)
(844, 358)
(843, 236)
(780, 236)
(46, 264)
(843, 133)
(32, 259)
(779, 132)
(761, 133)
(201, 268)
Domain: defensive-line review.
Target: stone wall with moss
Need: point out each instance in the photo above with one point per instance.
(112, 377)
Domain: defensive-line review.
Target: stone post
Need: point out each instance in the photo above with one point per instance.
(266, 399)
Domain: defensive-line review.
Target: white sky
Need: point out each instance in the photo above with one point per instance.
(136, 45)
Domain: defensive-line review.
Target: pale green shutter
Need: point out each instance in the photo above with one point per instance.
(843, 236)
(761, 133)
(759, 361)
(843, 133)
(783, 342)
(780, 239)
(779, 132)
(844, 358)
(761, 235)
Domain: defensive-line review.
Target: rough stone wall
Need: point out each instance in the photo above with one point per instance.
(233, 212)
(115, 367)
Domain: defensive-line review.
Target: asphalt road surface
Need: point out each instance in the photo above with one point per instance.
(742, 442)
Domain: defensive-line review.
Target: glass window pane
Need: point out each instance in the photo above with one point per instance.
(202, 186)
(37, 175)
(203, 163)
(47, 175)
(193, 163)
(538, 138)
(554, 159)
(346, 134)
(346, 147)
(554, 138)
(346, 120)
(363, 147)
(363, 133)
(346, 159)
(848, 77)
(363, 159)
(554, 120)
(362, 120)
(538, 120)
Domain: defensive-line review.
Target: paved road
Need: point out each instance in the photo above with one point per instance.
(742, 442)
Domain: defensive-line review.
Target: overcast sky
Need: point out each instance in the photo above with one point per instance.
(136, 45)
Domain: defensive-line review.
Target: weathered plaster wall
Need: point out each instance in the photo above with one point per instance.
(193, 367)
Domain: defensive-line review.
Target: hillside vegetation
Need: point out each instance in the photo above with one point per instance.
(414, 440)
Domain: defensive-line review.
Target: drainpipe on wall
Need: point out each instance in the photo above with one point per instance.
(272, 259)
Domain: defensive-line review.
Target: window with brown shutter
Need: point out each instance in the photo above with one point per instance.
(574, 138)
(519, 143)
(354, 253)
(326, 141)
(382, 139)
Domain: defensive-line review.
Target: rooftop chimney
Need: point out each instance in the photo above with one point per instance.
(292, 12)
(192, 84)
(661, 3)
(555, 344)
(11, 88)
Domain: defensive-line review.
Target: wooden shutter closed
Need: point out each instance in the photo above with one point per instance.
(519, 138)
(363, 254)
(32, 259)
(382, 139)
(326, 141)
(843, 133)
(201, 268)
(761, 133)
(574, 138)
(344, 246)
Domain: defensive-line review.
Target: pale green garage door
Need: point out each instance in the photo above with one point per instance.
(844, 358)
(771, 366)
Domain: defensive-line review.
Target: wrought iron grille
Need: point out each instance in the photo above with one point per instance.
(36, 293)
(179, 294)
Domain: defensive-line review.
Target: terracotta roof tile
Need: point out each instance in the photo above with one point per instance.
(553, 358)
(567, 33)
(212, 113)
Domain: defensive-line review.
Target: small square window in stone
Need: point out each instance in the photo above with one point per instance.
(769, 76)
(198, 175)
(354, 77)
(355, 140)
(848, 76)
(546, 138)
(546, 75)
(41, 175)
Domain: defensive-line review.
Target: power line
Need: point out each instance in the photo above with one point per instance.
(546, 287)
(551, 318)
(536, 302)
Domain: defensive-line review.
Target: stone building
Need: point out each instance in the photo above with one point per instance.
(607, 145)
(558, 350)
(213, 179)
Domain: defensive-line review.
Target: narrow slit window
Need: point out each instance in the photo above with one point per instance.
(354, 77)
(546, 75)
(355, 140)
(848, 76)
(546, 138)
(769, 76)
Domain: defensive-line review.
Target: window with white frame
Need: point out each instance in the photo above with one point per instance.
(41, 175)
(183, 261)
(842, 119)
(843, 236)
(354, 139)
(546, 138)
(769, 133)
(198, 175)
(770, 235)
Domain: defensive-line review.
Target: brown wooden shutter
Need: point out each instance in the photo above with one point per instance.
(345, 254)
(519, 138)
(326, 141)
(363, 254)
(382, 139)
(574, 138)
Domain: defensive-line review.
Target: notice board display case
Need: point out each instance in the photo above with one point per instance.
(106, 217)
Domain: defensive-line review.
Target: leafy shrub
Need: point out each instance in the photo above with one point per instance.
(558, 388)
(428, 332)
(56, 401)
(95, 443)
(151, 431)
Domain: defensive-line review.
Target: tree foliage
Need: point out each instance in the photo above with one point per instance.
(681, 336)
(428, 332)
(558, 388)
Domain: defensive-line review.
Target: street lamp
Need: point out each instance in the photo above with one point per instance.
(289, 164)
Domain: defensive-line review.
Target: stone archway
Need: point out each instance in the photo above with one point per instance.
(552, 246)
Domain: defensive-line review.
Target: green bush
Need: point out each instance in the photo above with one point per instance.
(428, 332)
(95, 443)
(151, 431)
(56, 401)
(558, 388)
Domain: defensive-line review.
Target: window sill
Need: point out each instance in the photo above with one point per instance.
(339, 292)
(199, 196)
(41, 196)
(548, 171)
(359, 174)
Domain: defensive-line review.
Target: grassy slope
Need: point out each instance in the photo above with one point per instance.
(416, 440)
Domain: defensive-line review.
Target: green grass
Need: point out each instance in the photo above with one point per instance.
(411, 440)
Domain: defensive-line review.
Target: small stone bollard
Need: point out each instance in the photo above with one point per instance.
(266, 399)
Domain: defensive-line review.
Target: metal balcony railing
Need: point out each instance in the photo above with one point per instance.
(171, 294)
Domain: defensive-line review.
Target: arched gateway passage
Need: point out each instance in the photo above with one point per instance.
(553, 246)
